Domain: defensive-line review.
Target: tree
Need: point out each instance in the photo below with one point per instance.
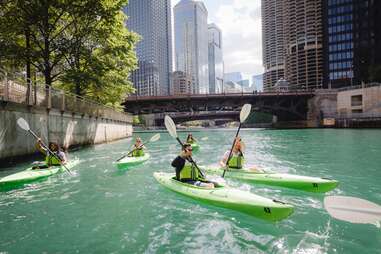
(81, 42)
(100, 62)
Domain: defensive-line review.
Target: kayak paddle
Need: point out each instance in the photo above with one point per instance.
(25, 126)
(245, 112)
(171, 128)
(154, 138)
(354, 210)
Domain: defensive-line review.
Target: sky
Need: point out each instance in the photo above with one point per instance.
(240, 22)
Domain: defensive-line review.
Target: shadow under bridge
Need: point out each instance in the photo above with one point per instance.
(287, 106)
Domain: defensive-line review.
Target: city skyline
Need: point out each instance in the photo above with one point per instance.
(284, 55)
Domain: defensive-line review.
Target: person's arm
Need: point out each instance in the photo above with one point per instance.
(175, 163)
(62, 157)
(40, 147)
(178, 164)
(224, 159)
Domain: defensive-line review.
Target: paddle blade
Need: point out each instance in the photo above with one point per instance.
(204, 138)
(353, 209)
(155, 138)
(23, 124)
(245, 112)
(171, 126)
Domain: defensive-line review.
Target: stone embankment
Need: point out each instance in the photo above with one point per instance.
(56, 116)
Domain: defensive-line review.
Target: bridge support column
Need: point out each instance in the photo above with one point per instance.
(149, 120)
(322, 106)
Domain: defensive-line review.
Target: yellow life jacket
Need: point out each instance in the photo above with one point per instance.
(236, 161)
(51, 160)
(190, 172)
(138, 152)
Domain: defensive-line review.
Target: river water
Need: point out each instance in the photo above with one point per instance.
(102, 210)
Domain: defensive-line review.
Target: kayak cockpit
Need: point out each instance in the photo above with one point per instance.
(216, 185)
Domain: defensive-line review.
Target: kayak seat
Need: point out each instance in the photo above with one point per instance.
(40, 167)
(216, 185)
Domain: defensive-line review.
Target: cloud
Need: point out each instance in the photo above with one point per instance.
(240, 22)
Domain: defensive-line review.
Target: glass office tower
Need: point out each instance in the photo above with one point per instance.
(191, 42)
(352, 41)
(216, 65)
(152, 20)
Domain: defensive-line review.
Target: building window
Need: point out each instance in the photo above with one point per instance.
(356, 100)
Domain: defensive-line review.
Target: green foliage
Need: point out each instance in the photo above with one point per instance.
(82, 46)
(136, 120)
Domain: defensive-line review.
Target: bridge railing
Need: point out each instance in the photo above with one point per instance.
(215, 95)
(13, 88)
(365, 115)
(364, 85)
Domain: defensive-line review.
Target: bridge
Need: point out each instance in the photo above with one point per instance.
(181, 117)
(287, 106)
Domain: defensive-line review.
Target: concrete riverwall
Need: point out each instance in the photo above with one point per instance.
(67, 129)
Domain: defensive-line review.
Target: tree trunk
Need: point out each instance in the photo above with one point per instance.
(28, 64)
(47, 71)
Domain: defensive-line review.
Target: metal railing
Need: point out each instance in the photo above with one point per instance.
(349, 115)
(373, 84)
(14, 89)
(216, 95)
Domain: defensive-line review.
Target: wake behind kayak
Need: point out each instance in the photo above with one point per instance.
(223, 196)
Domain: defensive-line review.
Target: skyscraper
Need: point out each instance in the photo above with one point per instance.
(181, 83)
(216, 65)
(292, 43)
(191, 42)
(352, 41)
(152, 20)
(303, 37)
(257, 82)
(273, 42)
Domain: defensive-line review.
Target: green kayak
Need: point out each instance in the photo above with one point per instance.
(224, 196)
(305, 183)
(130, 161)
(30, 174)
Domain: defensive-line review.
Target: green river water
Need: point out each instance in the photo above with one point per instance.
(102, 210)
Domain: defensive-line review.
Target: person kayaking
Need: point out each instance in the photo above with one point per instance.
(186, 171)
(236, 158)
(138, 149)
(56, 159)
(190, 139)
